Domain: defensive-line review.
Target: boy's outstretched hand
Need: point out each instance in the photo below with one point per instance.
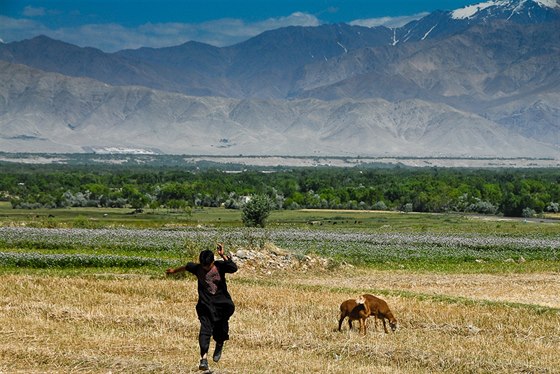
(178, 270)
(220, 250)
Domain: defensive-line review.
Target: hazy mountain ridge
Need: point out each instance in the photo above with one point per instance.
(52, 112)
(498, 60)
(265, 66)
(469, 83)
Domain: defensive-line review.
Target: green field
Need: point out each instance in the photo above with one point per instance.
(381, 240)
(326, 219)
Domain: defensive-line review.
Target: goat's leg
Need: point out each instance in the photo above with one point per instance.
(384, 325)
(363, 325)
(340, 321)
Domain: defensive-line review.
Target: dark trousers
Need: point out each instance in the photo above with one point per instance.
(209, 328)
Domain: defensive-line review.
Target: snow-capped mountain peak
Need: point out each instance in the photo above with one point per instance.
(441, 24)
(501, 6)
(471, 10)
(548, 3)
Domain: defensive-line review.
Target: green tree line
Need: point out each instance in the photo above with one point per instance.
(511, 192)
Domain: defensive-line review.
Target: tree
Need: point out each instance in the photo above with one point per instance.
(256, 211)
(135, 198)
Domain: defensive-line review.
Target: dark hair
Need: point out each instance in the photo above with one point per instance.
(206, 257)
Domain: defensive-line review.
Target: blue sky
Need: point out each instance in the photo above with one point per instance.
(112, 25)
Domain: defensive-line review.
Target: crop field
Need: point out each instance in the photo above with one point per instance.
(84, 291)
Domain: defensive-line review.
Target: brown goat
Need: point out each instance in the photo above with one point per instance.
(355, 309)
(379, 309)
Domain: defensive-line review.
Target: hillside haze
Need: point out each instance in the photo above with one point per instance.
(482, 81)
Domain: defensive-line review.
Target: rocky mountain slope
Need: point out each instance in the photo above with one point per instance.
(54, 113)
(483, 81)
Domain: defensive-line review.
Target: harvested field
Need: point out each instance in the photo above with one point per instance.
(532, 289)
(285, 321)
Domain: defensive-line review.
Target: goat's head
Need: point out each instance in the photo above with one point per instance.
(393, 324)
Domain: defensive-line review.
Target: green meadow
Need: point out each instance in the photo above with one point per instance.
(381, 240)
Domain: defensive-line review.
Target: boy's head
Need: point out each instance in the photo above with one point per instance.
(206, 258)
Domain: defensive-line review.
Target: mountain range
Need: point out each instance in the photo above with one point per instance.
(481, 81)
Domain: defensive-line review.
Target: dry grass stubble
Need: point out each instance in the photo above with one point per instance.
(527, 288)
(143, 324)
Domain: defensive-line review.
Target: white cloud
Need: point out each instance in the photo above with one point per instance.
(12, 29)
(30, 11)
(112, 37)
(387, 21)
(294, 19)
(219, 33)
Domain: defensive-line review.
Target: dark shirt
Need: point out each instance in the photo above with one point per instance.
(213, 296)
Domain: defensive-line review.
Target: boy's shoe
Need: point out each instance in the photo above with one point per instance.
(203, 364)
(218, 352)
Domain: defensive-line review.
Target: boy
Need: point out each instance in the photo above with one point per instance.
(214, 306)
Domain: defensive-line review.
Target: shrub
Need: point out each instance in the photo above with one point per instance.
(483, 207)
(256, 211)
(553, 207)
(528, 213)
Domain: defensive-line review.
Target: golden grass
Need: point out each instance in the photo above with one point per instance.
(283, 323)
(540, 289)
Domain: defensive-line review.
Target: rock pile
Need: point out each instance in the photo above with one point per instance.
(271, 258)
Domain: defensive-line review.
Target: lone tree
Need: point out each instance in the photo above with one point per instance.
(256, 211)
